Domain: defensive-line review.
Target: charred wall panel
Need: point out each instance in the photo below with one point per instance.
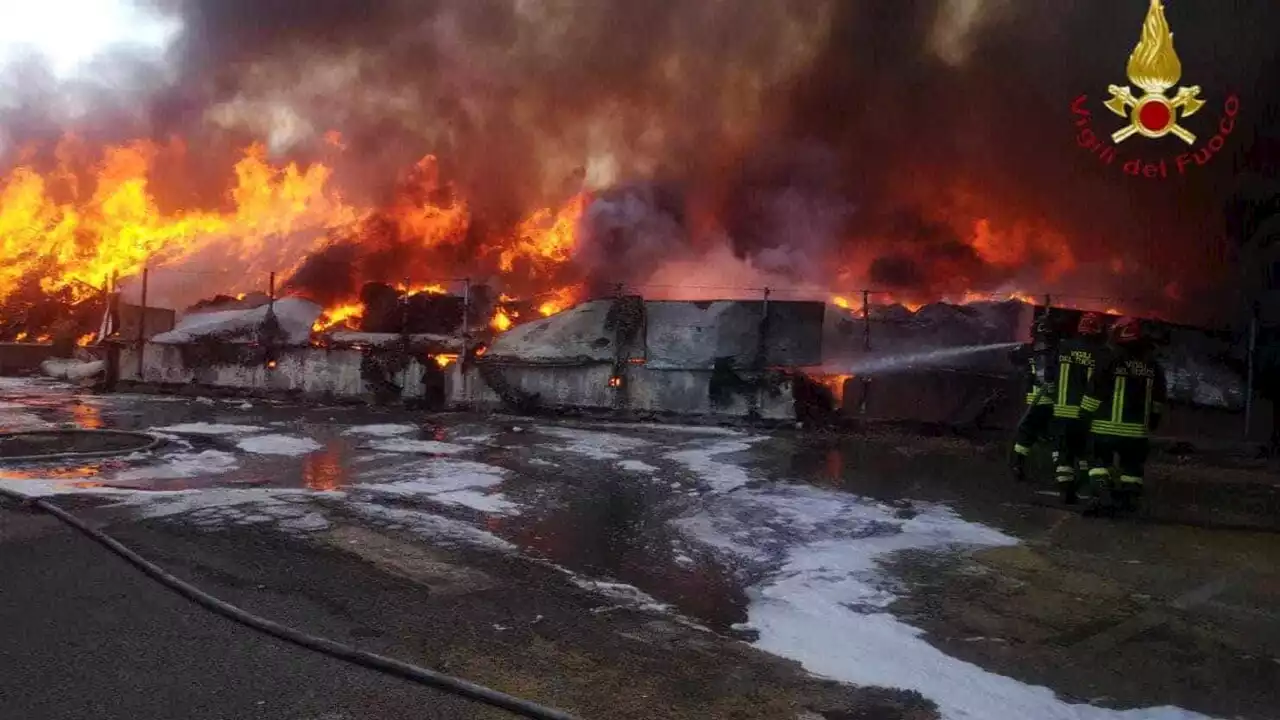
(158, 320)
(691, 335)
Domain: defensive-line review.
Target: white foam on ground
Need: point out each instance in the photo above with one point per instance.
(474, 438)
(597, 445)
(44, 487)
(18, 420)
(453, 482)
(183, 502)
(694, 429)
(824, 599)
(721, 476)
(440, 530)
(621, 593)
(208, 462)
(495, 503)
(204, 428)
(278, 445)
(637, 466)
(384, 430)
(405, 445)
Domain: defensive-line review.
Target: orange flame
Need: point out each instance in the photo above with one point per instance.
(341, 315)
(279, 214)
(502, 320)
(545, 240)
(560, 299)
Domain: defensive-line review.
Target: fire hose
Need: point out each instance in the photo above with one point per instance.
(383, 664)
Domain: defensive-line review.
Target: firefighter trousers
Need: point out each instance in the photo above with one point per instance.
(1126, 454)
(1071, 448)
(1033, 428)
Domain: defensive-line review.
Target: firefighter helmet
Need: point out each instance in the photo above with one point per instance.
(1042, 328)
(1127, 330)
(1090, 324)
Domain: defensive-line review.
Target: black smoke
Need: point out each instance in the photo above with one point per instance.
(810, 133)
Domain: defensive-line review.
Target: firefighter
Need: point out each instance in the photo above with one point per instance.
(1123, 404)
(1035, 422)
(1072, 371)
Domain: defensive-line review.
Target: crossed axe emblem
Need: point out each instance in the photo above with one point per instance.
(1154, 122)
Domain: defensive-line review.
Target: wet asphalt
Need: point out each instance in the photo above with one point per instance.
(83, 635)
(594, 522)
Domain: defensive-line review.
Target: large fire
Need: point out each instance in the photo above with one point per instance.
(69, 232)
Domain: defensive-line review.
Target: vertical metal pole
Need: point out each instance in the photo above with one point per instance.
(466, 345)
(466, 311)
(866, 345)
(762, 351)
(866, 319)
(404, 338)
(404, 311)
(271, 288)
(1248, 387)
(142, 321)
(764, 330)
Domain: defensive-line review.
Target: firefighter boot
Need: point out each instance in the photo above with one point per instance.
(1018, 463)
(1127, 495)
(1102, 504)
(1068, 488)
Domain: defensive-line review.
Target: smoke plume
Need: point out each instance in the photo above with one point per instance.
(922, 147)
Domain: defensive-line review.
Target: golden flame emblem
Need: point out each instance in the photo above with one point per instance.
(1154, 67)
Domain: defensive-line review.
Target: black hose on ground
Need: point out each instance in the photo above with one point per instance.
(150, 442)
(390, 666)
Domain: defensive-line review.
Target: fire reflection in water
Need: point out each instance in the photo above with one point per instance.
(87, 416)
(834, 474)
(325, 469)
(56, 473)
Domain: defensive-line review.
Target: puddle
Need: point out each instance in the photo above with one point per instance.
(47, 472)
(622, 530)
(327, 469)
(87, 416)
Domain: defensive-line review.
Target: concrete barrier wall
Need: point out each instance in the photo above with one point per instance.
(314, 372)
(939, 397)
(959, 399)
(683, 392)
(23, 357)
(682, 335)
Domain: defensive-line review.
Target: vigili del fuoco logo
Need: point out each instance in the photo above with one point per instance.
(1154, 68)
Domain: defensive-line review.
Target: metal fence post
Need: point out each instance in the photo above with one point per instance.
(866, 319)
(142, 321)
(1248, 387)
(866, 345)
(466, 344)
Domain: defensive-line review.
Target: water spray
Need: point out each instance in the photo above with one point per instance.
(899, 362)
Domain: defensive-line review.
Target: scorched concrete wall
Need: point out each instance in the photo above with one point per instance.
(681, 335)
(316, 372)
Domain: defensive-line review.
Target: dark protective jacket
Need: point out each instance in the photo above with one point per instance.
(1037, 357)
(1072, 369)
(1126, 395)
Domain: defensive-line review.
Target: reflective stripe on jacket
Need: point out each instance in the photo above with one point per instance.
(1125, 396)
(1076, 361)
